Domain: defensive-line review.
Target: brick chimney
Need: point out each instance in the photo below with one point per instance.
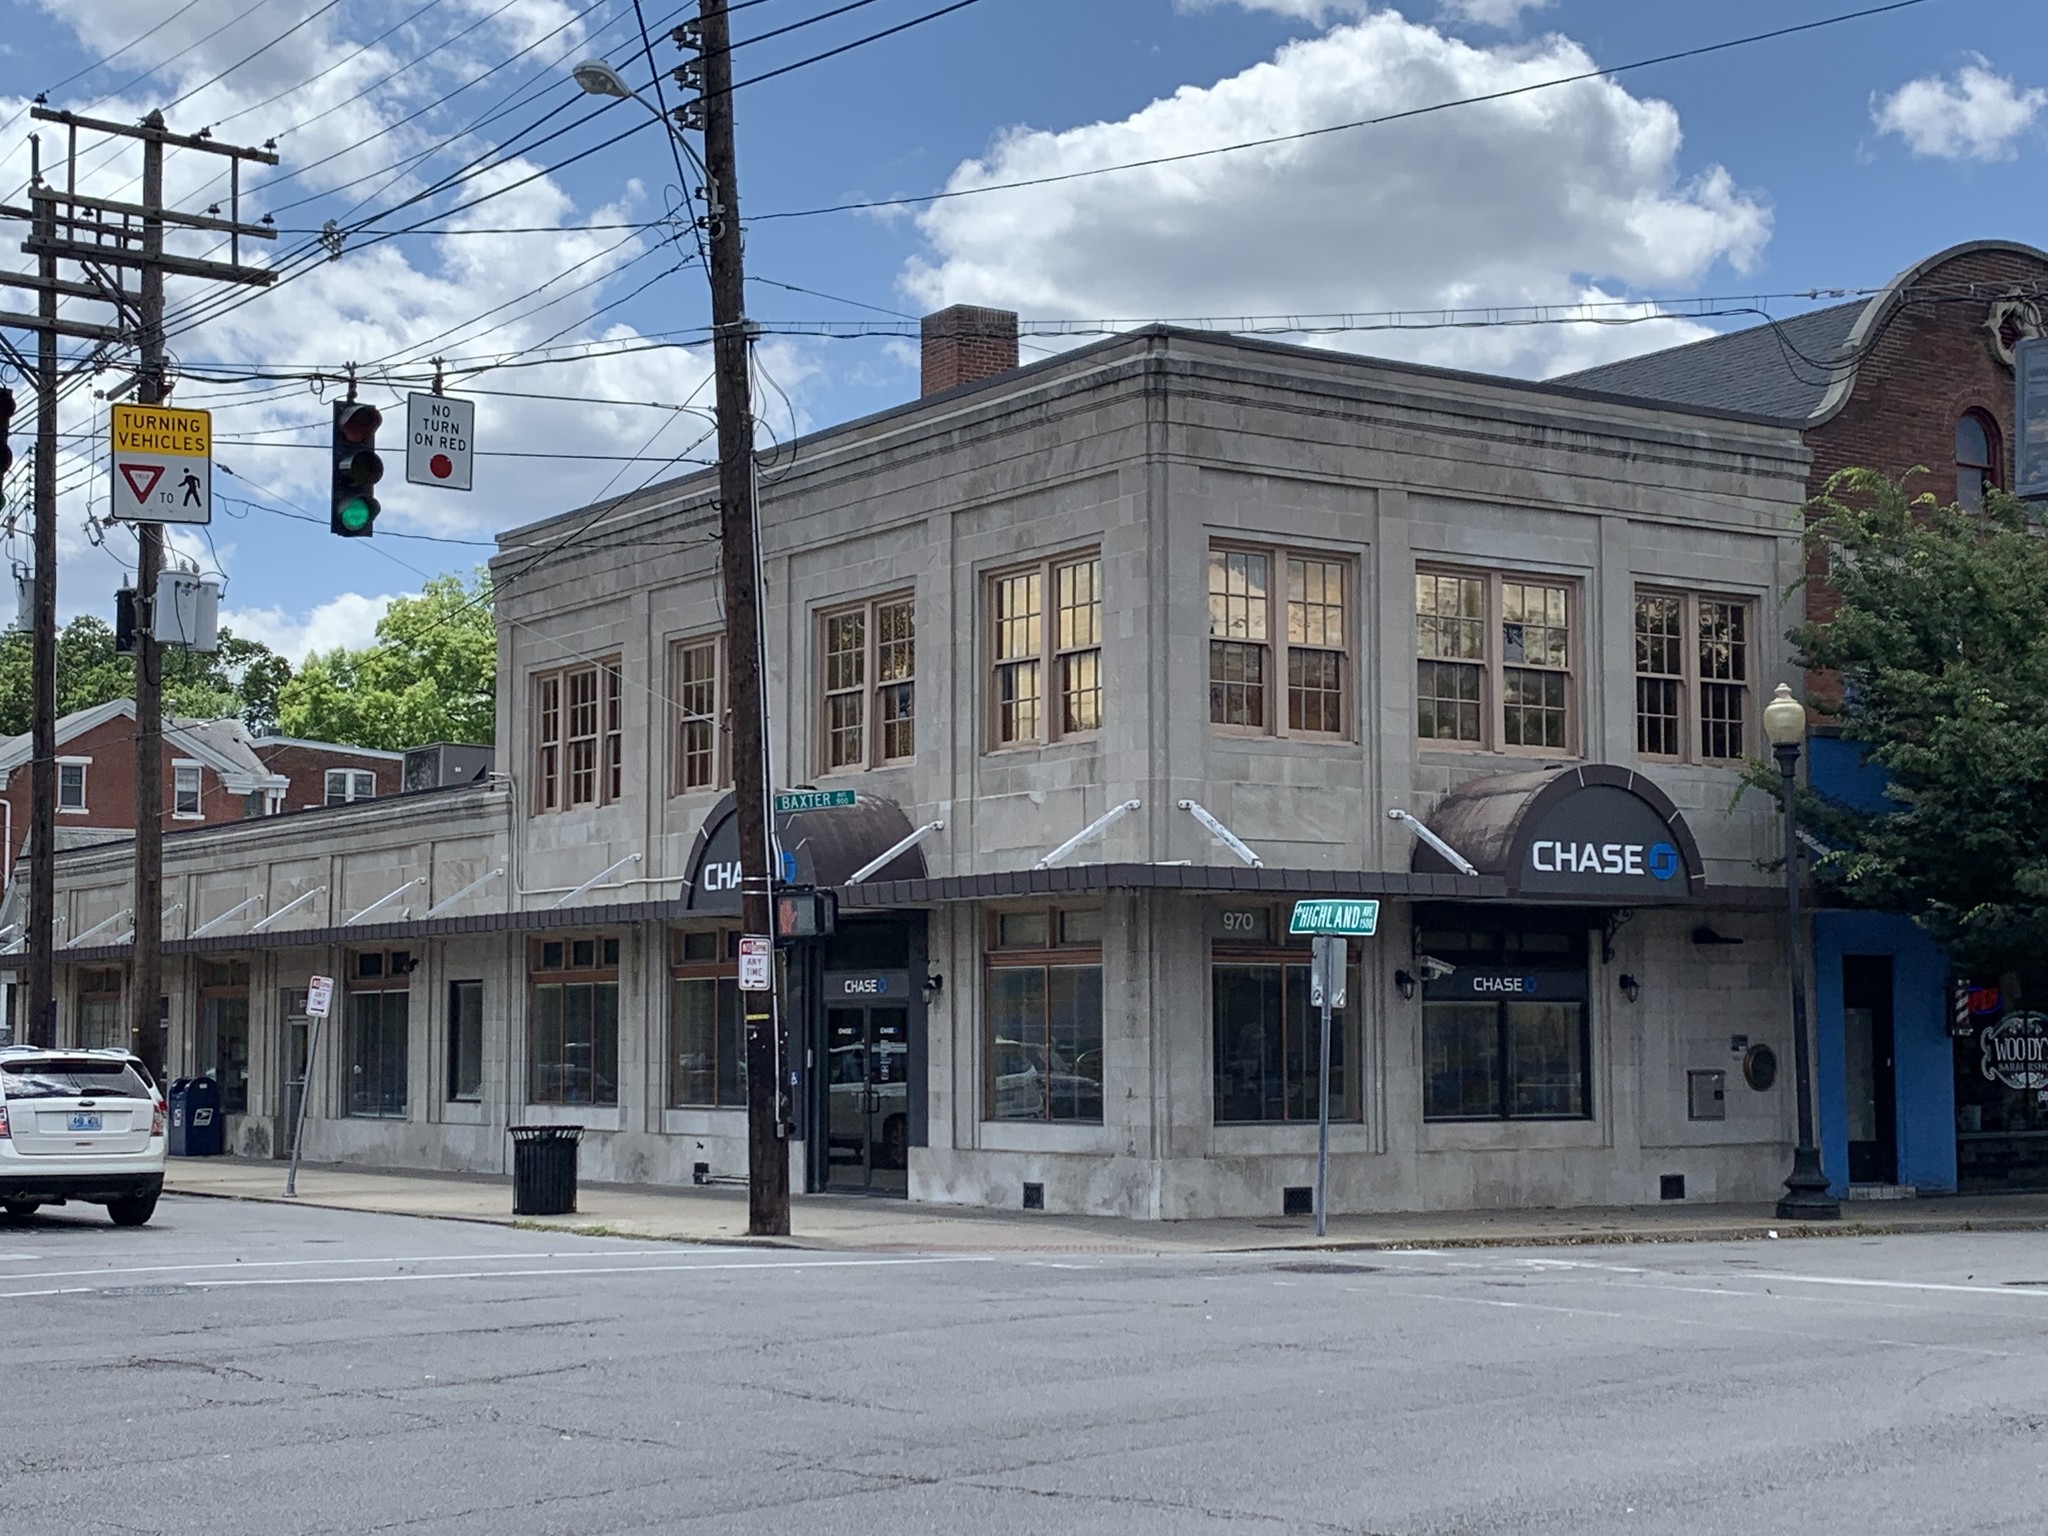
(966, 344)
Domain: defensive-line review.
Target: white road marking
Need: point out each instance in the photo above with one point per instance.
(432, 1258)
(607, 1269)
(2037, 1293)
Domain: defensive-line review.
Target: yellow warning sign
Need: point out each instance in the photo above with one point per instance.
(162, 429)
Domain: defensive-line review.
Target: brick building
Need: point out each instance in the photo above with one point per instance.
(327, 773)
(1917, 378)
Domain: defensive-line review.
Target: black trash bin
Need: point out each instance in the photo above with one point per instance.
(544, 1169)
(197, 1128)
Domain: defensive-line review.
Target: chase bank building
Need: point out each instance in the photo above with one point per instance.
(1120, 655)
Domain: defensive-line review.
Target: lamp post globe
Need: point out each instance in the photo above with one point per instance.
(1806, 1196)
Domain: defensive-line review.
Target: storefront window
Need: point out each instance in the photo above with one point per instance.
(1267, 1036)
(465, 1041)
(574, 1023)
(1504, 1033)
(224, 1030)
(100, 1025)
(380, 1017)
(2001, 1076)
(707, 1060)
(1043, 1006)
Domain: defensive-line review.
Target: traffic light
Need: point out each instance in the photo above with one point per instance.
(6, 447)
(352, 512)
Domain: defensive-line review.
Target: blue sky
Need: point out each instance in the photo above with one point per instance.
(1828, 160)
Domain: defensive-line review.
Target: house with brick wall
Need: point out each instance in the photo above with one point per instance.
(1917, 380)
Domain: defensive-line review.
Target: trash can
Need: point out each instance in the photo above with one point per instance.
(544, 1169)
(197, 1129)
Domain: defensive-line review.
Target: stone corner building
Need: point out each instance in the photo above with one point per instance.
(1162, 580)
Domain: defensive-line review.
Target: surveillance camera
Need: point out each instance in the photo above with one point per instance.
(1434, 969)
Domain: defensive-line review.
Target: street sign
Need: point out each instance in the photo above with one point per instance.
(757, 956)
(319, 997)
(163, 464)
(1329, 959)
(813, 800)
(1358, 919)
(440, 441)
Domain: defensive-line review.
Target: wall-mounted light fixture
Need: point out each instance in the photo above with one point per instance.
(1404, 983)
(934, 984)
(1631, 988)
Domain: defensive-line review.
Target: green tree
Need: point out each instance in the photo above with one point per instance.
(242, 678)
(431, 675)
(1941, 641)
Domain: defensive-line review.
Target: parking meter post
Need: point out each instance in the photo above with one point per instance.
(291, 1178)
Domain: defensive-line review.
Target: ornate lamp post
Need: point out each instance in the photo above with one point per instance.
(1806, 1195)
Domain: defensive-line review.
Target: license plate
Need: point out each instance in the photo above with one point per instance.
(84, 1123)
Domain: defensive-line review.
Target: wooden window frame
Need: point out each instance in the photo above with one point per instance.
(1278, 644)
(602, 970)
(1054, 954)
(185, 765)
(454, 990)
(349, 785)
(1057, 661)
(1493, 665)
(721, 736)
(871, 689)
(1691, 681)
(723, 967)
(84, 767)
(558, 712)
(1285, 952)
(1991, 472)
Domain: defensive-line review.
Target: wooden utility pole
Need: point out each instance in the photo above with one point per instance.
(105, 236)
(731, 339)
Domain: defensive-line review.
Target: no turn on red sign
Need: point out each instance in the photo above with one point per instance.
(162, 464)
(440, 441)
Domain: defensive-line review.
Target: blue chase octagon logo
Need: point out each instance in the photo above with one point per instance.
(1663, 861)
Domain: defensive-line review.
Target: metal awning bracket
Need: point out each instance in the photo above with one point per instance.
(1089, 833)
(1223, 834)
(1455, 859)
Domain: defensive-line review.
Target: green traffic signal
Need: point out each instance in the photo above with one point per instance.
(352, 508)
(356, 514)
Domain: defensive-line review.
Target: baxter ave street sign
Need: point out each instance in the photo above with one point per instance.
(1356, 918)
(813, 800)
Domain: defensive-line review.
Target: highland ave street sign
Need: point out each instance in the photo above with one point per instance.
(1357, 919)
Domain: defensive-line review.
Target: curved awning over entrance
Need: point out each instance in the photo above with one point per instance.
(1596, 833)
(820, 847)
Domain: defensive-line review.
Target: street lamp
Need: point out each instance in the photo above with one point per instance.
(600, 79)
(1806, 1195)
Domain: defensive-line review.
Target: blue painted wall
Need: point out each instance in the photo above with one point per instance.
(1922, 1054)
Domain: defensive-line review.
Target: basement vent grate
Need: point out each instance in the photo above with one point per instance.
(1034, 1197)
(1297, 1200)
(1671, 1186)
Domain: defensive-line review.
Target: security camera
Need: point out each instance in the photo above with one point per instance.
(1434, 969)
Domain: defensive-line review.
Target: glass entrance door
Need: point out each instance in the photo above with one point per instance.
(867, 1077)
(292, 1004)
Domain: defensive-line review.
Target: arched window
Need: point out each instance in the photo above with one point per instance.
(1978, 458)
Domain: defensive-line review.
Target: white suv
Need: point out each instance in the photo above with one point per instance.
(80, 1125)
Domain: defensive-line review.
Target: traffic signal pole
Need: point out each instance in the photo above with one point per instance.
(146, 962)
(767, 1145)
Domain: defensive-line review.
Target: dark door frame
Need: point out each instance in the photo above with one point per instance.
(1870, 982)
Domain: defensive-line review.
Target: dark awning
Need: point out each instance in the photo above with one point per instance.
(1596, 832)
(818, 848)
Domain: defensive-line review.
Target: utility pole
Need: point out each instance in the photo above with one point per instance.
(106, 237)
(767, 1143)
(42, 773)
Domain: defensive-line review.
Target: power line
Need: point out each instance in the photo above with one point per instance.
(872, 37)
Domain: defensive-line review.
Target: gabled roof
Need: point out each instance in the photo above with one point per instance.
(222, 745)
(1799, 371)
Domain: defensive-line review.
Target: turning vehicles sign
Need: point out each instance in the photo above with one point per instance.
(163, 464)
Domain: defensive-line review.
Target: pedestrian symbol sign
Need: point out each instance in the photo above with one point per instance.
(163, 464)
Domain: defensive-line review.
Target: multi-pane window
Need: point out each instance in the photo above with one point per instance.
(71, 784)
(1047, 681)
(1494, 661)
(224, 1030)
(707, 1046)
(101, 1026)
(1692, 676)
(465, 1041)
(349, 784)
(1267, 1037)
(870, 692)
(573, 1031)
(579, 736)
(700, 716)
(1043, 1011)
(185, 788)
(379, 1025)
(1247, 611)
(1979, 459)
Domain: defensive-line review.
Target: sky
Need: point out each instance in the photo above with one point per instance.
(567, 301)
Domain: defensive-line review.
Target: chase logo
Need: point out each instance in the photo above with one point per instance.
(1663, 861)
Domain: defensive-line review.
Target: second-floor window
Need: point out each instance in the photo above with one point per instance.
(1261, 630)
(1046, 652)
(1494, 657)
(1692, 677)
(700, 686)
(185, 789)
(346, 785)
(578, 734)
(870, 684)
(71, 784)
(1979, 457)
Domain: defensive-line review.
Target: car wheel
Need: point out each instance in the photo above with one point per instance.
(132, 1212)
(23, 1208)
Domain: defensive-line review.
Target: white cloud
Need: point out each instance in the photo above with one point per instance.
(1550, 197)
(1485, 13)
(1490, 13)
(350, 620)
(1976, 115)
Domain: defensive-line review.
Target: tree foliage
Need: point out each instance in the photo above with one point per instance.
(431, 675)
(242, 678)
(1941, 642)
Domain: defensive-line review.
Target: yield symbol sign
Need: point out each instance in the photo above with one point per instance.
(141, 478)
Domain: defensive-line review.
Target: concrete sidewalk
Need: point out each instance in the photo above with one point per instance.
(719, 1215)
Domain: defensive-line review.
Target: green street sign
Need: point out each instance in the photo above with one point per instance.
(813, 800)
(1356, 919)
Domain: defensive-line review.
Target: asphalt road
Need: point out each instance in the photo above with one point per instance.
(261, 1369)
